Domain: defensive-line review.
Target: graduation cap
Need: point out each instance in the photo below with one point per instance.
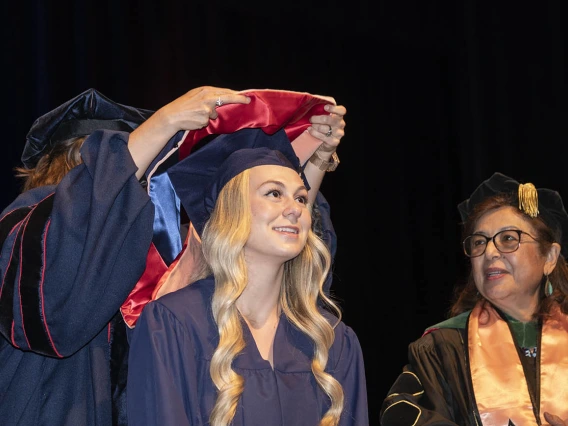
(198, 178)
(274, 120)
(534, 202)
(80, 116)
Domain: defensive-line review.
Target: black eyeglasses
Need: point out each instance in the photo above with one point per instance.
(506, 241)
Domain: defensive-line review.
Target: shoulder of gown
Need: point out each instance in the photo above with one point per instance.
(458, 322)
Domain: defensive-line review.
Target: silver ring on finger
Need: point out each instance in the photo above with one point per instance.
(218, 102)
(329, 132)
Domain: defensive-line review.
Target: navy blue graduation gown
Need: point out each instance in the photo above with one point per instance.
(170, 354)
(70, 255)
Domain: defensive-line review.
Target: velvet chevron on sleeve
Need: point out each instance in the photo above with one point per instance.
(70, 255)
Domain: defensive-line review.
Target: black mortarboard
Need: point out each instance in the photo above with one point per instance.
(198, 178)
(543, 202)
(80, 116)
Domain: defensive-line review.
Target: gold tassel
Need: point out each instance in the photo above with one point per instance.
(528, 199)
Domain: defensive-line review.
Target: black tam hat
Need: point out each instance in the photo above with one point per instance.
(534, 202)
(80, 116)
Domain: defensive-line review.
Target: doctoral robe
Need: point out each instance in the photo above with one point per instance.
(70, 255)
(483, 368)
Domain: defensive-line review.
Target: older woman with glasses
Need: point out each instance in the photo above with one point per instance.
(502, 356)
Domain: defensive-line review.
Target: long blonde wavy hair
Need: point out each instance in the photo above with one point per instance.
(224, 237)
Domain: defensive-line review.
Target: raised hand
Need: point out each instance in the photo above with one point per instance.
(329, 128)
(191, 111)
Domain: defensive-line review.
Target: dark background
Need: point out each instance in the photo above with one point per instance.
(439, 94)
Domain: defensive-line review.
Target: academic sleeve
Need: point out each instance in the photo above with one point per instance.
(349, 370)
(72, 253)
(326, 231)
(432, 388)
(157, 393)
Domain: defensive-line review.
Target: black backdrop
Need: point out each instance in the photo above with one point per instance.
(439, 96)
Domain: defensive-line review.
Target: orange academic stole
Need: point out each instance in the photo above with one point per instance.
(498, 379)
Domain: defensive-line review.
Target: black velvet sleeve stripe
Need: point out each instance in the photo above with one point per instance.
(7, 224)
(31, 277)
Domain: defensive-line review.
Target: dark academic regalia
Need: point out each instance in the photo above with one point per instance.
(466, 371)
(70, 256)
(170, 385)
(435, 386)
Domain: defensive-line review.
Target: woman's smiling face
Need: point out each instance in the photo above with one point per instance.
(510, 281)
(280, 216)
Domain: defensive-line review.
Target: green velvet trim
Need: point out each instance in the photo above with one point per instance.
(525, 332)
(458, 321)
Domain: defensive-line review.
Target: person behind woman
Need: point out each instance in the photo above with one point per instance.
(74, 244)
(500, 359)
(248, 343)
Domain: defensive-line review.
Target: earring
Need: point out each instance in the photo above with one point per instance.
(548, 287)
